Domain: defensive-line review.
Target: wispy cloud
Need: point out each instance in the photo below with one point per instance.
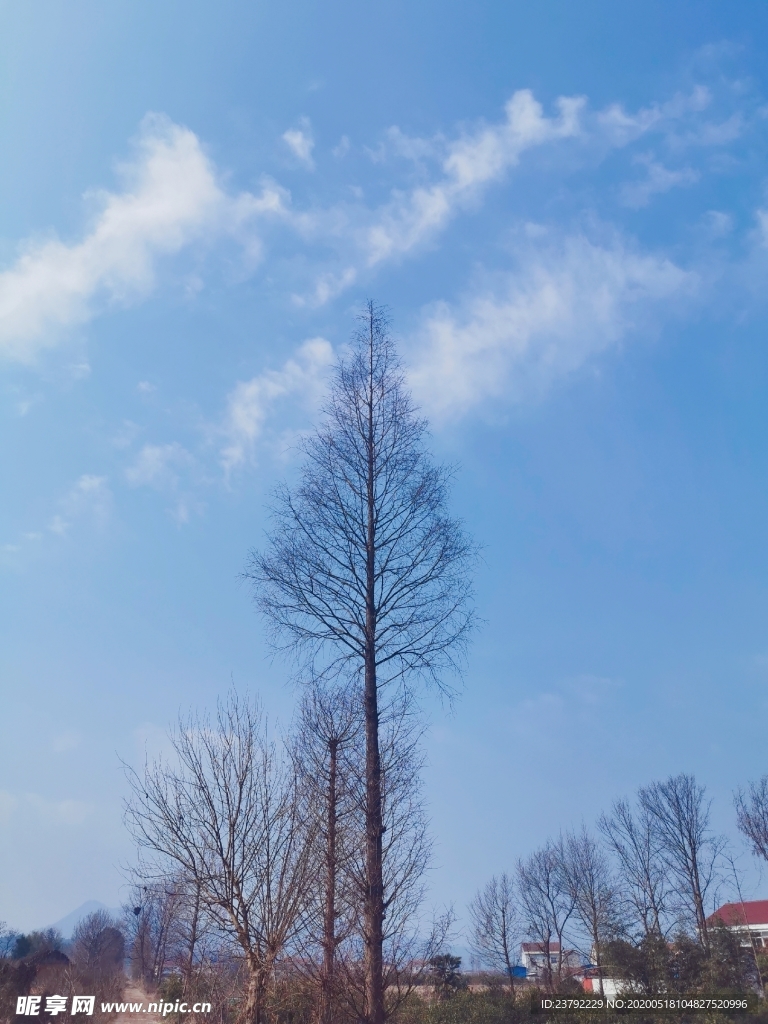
(473, 161)
(301, 143)
(251, 401)
(53, 812)
(171, 197)
(567, 299)
(621, 127)
(158, 465)
(90, 498)
(659, 179)
(327, 287)
(170, 469)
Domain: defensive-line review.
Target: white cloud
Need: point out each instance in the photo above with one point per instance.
(90, 498)
(65, 812)
(565, 303)
(327, 287)
(761, 216)
(158, 465)
(472, 162)
(342, 149)
(301, 143)
(171, 198)
(168, 468)
(621, 128)
(58, 525)
(660, 179)
(251, 401)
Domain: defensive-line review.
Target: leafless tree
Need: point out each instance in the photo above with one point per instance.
(96, 957)
(632, 838)
(326, 735)
(496, 926)
(679, 813)
(98, 946)
(547, 906)
(168, 929)
(227, 814)
(7, 940)
(750, 936)
(150, 920)
(752, 816)
(366, 573)
(590, 885)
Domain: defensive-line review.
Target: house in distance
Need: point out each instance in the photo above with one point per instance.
(749, 917)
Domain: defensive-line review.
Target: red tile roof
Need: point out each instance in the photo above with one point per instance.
(733, 915)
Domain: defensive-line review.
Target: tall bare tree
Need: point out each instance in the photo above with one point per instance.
(632, 838)
(227, 814)
(590, 885)
(752, 816)
(366, 573)
(679, 813)
(496, 926)
(547, 906)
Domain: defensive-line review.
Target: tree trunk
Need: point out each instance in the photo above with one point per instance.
(374, 908)
(192, 943)
(254, 999)
(374, 911)
(701, 917)
(329, 922)
(598, 963)
(507, 958)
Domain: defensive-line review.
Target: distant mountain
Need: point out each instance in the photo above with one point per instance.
(68, 924)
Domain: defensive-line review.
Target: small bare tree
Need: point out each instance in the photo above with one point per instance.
(168, 929)
(679, 813)
(366, 572)
(98, 946)
(496, 926)
(327, 730)
(591, 887)
(643, 877)
(96, 959)
(547, 906)
(227, 814)
(7, 940)
(752, 816)
(149, 921)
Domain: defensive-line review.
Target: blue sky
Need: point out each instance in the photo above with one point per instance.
(565, 208)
